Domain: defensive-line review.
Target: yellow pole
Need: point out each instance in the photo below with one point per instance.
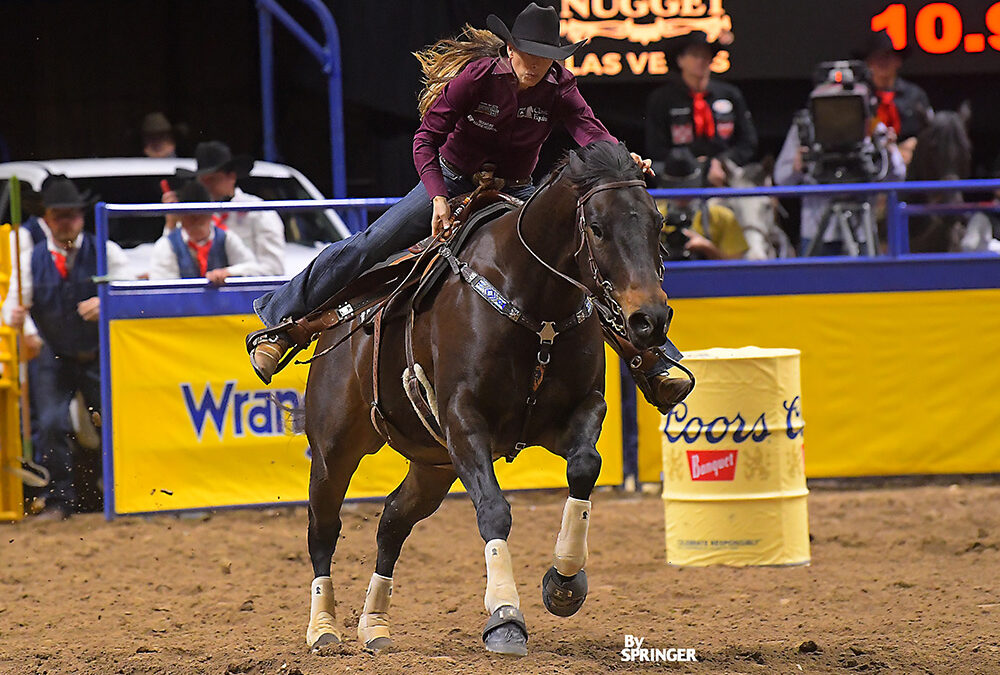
(32, 474)
(15, 218)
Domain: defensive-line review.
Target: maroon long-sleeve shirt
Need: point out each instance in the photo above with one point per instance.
(482, 117)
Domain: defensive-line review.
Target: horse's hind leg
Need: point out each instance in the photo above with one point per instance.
(564, 586)
(333, 464)
(418, 496)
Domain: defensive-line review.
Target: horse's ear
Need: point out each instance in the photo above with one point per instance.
(766, 169)
(576, 164)
(965, 113)
(732, 170)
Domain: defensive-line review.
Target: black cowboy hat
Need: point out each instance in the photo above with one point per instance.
(682, 170)
(878, 42)
(59, 192)
(156, 124)
(213, 156)
(676, 46)
(536, 32)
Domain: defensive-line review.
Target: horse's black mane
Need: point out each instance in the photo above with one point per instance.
(601, 162)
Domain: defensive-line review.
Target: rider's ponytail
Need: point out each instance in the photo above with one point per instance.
(445, 59)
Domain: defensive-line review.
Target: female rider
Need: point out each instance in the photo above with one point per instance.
(499, 109)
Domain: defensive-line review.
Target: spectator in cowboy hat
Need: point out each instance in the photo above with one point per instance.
(694, 110)
(684, 232)
(159, 136)
(200, 247)
(60, 309)
(262, 231)
(903, 106)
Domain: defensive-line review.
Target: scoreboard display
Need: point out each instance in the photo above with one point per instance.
(778, 39)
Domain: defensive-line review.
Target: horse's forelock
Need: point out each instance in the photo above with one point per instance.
(600, 162)
(946, 146)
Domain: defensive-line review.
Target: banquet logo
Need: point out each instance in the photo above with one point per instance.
(642, 22)
(712, 464)
(254, 412)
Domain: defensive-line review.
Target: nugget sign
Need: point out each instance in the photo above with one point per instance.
(627, 36)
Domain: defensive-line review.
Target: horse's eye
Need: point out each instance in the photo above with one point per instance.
(596, 229)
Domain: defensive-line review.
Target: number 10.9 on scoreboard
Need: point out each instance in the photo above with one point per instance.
(938, 28)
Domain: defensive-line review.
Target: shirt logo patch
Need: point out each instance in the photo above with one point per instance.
(482, 124)
(722, 106)
(488, 109)
(725, 129)
(531, 112)
(682, 134)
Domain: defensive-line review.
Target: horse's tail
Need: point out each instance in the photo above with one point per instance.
(294, 416)
(446, 58)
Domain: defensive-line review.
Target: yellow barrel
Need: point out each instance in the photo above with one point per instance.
(734, 485)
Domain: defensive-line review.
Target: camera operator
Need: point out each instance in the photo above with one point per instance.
(684, 234)
(838, 140)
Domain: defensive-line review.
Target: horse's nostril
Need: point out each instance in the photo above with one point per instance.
(641, 324)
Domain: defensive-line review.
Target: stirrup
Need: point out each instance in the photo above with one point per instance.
(276, 334)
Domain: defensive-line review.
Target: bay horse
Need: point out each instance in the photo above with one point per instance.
(588, 234)
(943, 152)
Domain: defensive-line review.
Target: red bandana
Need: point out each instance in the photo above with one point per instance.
(704, 123)
(888, 113)
(60, 262)
(202, 253)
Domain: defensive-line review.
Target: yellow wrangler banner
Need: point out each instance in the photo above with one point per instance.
(194, 428)
(893, 383)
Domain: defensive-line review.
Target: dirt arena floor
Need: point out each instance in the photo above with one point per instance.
(903, 579)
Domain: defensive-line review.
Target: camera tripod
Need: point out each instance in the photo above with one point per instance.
(853, 222)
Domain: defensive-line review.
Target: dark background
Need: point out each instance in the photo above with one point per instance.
(77, 77)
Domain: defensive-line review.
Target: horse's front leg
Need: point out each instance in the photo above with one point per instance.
(564, 586)
(470, 445)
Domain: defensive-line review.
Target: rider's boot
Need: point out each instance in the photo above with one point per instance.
(269, 347)
(662, 390)
(650, 370)
(266, 356)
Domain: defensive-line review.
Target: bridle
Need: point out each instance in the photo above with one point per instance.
(606, 303)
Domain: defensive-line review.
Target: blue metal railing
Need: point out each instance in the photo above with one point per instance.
(898, 211)
(328, 56)
(777, 275)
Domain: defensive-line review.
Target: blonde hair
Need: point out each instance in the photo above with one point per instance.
(446, 58)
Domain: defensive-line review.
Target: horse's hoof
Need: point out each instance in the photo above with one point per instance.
(506, 632)
(378, 644)
(563, 596)
(325, 639)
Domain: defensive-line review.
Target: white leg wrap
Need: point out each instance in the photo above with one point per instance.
(571, 545)
(374, 621)
(321, 610)
(500, 587)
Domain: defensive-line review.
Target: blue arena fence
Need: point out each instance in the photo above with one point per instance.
(898, 271)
